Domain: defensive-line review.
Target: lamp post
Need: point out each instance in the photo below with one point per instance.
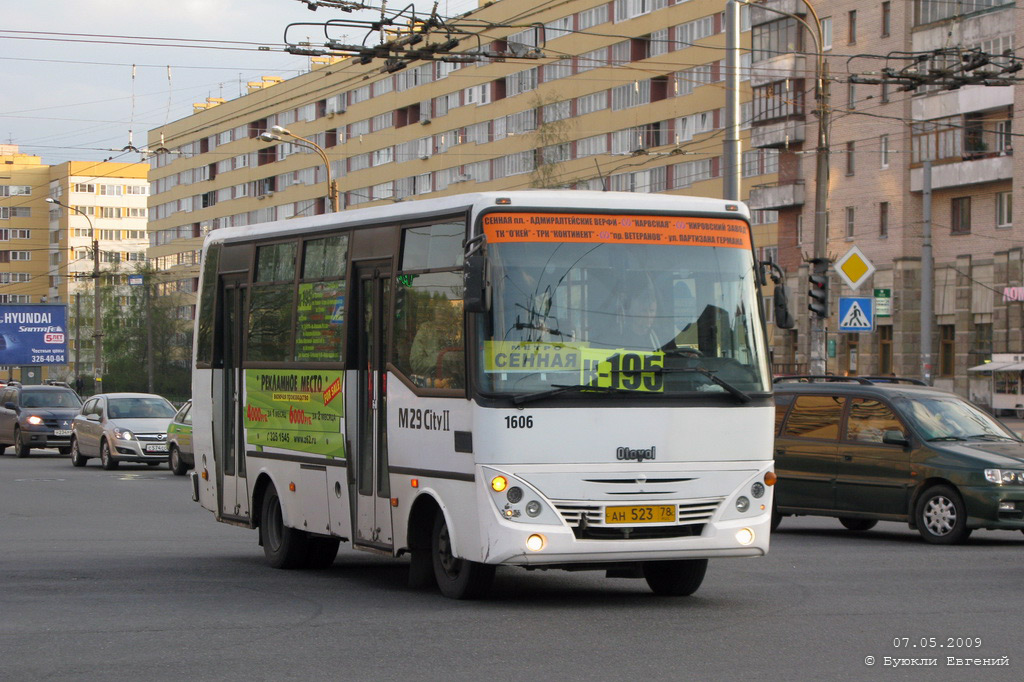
(332, 186)
(820, 258)
(97, 325)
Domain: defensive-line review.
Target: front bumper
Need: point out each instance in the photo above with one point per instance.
(987, 506)
(139, 451)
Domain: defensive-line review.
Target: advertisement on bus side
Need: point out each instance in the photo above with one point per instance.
(300, 410)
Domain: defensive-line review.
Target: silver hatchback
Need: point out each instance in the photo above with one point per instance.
(121, 427)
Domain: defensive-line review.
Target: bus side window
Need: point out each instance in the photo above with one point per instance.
(428, 318)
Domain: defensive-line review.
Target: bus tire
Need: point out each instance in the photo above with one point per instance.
(321, 552)
(284, 547)
(457, 578)
(675, 578)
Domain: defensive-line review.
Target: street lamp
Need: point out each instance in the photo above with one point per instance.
(97, 325)
(332, 186)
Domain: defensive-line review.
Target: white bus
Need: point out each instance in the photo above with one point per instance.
(541, 379)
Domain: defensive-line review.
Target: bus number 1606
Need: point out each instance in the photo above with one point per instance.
(518, 422)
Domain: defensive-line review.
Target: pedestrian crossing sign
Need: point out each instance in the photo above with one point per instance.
(856, 314)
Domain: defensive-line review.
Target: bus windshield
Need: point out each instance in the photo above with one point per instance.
(621, 316)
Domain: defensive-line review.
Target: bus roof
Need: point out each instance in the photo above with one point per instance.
(537, 199)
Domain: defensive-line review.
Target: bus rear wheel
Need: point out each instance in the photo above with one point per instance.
(457, 578)
(675, 578)
(284, 547)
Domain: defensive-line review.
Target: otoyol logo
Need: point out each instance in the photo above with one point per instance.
(638, 455)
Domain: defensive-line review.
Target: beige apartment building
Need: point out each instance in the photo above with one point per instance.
(624, 95)
(46, 251)
(880, 138)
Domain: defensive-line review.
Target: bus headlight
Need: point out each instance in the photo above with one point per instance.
(516, 500)
(757, 489)
(742, 504)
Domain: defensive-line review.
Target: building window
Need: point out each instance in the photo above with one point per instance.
(826, 34)
(885, 350)
(947, 335)
(1004, 209)
(883, 146)
(852, 27)
(799, 230)
(886, 19)
(781, 36)
(850, 167)
(885, 93)
(851, 95)
(883, 219)
(850, 218)
(960, 215)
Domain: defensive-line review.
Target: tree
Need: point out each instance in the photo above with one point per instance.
(146, 348)
(552, 137)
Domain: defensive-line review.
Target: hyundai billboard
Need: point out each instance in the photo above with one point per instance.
(33, 335)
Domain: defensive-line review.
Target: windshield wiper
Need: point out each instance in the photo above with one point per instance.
(992, 436)
(713, 378)
(938, 438)
(557, 389)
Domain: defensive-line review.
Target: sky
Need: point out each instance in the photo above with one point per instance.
(83, 79)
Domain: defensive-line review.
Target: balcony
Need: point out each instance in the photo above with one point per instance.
(779, 68)
(761, 12)
(980, 152)
(775, 196)
(777, 134)
(970, 171)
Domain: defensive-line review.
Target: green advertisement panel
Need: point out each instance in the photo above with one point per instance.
(301, 410)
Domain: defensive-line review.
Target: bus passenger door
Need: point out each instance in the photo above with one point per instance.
(373, 490)
(228, 441)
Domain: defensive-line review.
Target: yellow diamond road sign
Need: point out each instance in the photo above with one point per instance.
(854, 268)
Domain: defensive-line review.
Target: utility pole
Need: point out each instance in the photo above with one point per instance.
(78, 336)
(927, 275)
(731, 171)
(149, 334)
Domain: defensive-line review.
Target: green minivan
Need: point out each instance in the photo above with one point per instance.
(179, 440)
(865, 451)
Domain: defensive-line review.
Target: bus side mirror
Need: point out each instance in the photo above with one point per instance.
(478, 290)
(780, 302)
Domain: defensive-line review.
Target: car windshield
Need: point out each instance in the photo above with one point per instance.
(139, 408)
(952, 419)
(50, 399)
(655, 319)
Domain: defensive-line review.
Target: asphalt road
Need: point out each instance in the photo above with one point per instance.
(120, 576)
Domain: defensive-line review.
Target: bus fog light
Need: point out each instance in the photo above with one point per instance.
(744, 536)
(514, 494)
(742, 504)
(533, 508)
(757, 490)
(535, 543)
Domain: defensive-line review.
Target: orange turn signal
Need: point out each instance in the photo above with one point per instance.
(770, 478)
(499, 483)
(291, 487)
(206, 475)
(415, 483)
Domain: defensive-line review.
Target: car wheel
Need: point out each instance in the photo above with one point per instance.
(284, 547)
(941, 516)
(107, 460)
(77, 460)
(858, 524)
(457, 578)
(20, 449)
(174, 462)
(3, 448)
(675, 578)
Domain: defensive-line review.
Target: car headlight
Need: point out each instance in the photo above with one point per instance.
(1005, 476)
(123, 434)
(34, 420)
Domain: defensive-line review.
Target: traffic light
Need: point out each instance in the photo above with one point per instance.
(818, 288)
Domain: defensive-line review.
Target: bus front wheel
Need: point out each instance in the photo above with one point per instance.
(457, 578)
(284, 547)
(675, 578)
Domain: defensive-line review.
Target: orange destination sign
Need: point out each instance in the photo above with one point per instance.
(615, 229)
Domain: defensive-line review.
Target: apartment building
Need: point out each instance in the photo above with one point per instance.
(624, 95)
(879, 141)
(46, 251)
